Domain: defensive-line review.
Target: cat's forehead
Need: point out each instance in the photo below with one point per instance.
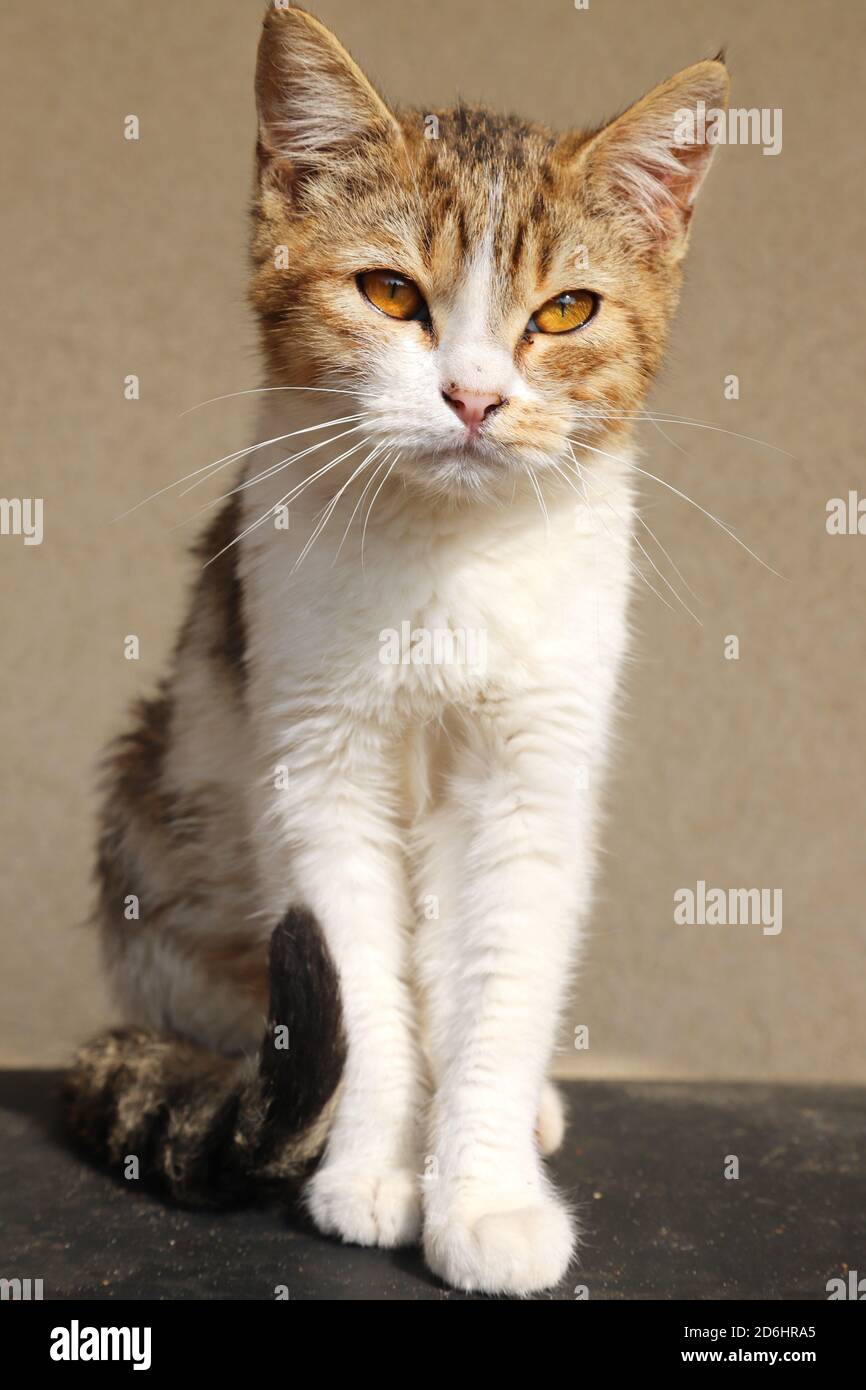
(467, 195)
(483, 180)
(474, 136)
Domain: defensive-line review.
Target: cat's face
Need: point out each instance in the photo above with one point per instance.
(484, 289)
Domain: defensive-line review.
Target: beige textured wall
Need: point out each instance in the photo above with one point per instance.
(120, 257)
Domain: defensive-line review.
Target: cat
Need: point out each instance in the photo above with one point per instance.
(343, 882)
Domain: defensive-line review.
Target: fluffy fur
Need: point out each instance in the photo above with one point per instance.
(435, 821)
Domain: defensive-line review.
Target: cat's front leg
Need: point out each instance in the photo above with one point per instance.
(495, 969)
(333, 820)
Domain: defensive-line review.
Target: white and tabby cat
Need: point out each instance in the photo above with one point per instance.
(382, 741)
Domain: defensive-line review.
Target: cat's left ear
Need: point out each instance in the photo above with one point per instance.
(648, 164)
(314, 103)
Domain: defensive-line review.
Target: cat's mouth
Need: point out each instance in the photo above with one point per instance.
(476, 447)
(464, 454)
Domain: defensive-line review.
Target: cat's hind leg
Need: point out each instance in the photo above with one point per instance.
(550, 1125)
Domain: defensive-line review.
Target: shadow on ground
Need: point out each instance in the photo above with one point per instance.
(643, 1163)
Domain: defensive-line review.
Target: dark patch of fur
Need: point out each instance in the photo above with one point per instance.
(305, 995)
(213, 1130)
(132, 777)
(137, 758)
(481, 136)
(221, 582)
(517, 247)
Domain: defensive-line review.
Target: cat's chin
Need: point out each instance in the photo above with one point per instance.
(461, 480)
(466, 470)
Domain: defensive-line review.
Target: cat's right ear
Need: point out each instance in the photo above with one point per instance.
(314, 103)
(647, 165)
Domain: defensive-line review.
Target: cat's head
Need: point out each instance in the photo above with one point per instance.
(483, 287)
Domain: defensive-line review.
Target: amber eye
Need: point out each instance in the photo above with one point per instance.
(564, 312)
(393, 294)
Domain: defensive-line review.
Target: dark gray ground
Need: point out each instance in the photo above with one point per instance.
(643, 1163)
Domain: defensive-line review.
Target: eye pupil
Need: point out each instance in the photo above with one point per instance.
(393, 294)
(565, 312)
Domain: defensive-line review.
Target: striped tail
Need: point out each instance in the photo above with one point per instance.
(214, 1130)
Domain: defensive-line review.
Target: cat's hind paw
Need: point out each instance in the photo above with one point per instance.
(379, 1207)
(550, 1125)
(515, 1251)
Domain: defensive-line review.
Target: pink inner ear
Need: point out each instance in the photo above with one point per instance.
(681, 186)
(660, 181)
(680, 183)
(649, 161)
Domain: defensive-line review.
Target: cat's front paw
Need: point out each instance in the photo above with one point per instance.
(487, 1247)
(366, 1206)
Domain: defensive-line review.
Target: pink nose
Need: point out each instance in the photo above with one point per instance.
(472, 406)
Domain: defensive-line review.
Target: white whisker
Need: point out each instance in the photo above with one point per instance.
(227, 459)
(664, 434)
(539, 495)
(277, 468)
(332, 506)
(665, 418)
(636, 569)
(262, 390)
(641, 548)
(373, 503)
(670, 559)
(717, 520)
(309, 429)
(287, 498)
(369, 483)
